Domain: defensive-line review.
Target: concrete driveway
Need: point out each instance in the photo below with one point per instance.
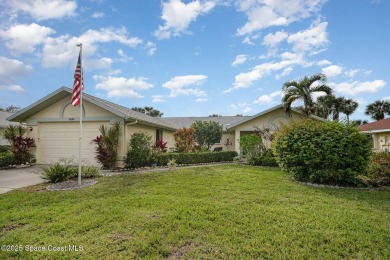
(20, 177)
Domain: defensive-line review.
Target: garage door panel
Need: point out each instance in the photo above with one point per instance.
(61, 140)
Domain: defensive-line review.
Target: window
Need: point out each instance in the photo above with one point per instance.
(159, 134)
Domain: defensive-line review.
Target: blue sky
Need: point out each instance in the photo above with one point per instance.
(194, 58)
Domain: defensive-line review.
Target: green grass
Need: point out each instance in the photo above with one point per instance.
(217, 212)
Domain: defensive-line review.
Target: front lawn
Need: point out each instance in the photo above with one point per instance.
(226, 212)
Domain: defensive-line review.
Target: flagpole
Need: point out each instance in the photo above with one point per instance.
(81, 113)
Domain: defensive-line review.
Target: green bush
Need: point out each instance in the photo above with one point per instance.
(7, 159)
(379, 169)
(264, 158)
(322, 152)
(57, 172)
(196, 158)
(5, 148)
(87, 171)
(140, 150)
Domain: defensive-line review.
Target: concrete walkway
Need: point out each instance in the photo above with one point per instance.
(19, 177)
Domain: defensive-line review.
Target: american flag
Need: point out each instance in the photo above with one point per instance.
(78, 84)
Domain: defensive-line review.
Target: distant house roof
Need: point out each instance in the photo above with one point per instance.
(226, 121)
(3, 119)
(377, 126)
(171, 123)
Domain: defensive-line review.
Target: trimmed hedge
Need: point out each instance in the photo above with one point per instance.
(196, 158)
(7, 159)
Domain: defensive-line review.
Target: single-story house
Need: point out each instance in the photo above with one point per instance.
(380, 132)
(3, 124)
(54, 124)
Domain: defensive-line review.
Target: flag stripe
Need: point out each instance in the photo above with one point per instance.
(78, 84)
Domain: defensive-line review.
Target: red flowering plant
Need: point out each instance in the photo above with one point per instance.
(160, 146)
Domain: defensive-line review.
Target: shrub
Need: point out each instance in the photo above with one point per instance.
(57, 172)
(196, 158)
(5, 148)
(21, 149)
(107, 145)
(7, 159)
(140, 150)
(322, 152)
(264, 158)
(379, 169)
(185, 140)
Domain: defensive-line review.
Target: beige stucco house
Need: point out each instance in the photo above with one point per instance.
(380, 132)
(54, 124)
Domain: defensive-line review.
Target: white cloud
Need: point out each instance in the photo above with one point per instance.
(272, 40)
(151, 48)
(122, 87)
(351, 73)
(177, 16)
(245, 79)
(265, 99)
(356, 87)
(265, 13)
(23, 38)
(241, 107)
(284, 73)
(201, 100)
(11, 69)
(98, 15)
(332, 71)
(103, 63)
(178, 85)
(240, 59)
(60, 51)
(158, 99)
(14, 88)
(123, 56)
(310, 40)
(44, 9)
(323, 63)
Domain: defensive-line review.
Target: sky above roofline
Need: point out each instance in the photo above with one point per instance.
(194, 58)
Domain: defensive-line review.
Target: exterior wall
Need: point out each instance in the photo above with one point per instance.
(62, 112)
(381, 141)
(272, 120)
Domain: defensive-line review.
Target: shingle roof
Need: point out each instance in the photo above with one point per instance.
(377, 125)
(3, 119)
(180, 122)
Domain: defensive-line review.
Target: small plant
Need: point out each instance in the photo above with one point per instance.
(57, 173)
(89, 171)
(7, 159)
(172, 163)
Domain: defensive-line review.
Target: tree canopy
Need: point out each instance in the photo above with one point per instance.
(207, 132)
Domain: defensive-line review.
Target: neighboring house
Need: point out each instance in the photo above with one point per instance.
(380, 132)
(54, 124)
(3, 124)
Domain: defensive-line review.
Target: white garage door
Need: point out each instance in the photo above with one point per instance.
(61, 140)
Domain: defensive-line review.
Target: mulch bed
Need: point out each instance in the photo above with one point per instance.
(70, 185)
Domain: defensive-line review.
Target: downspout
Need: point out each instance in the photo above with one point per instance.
(124, 136)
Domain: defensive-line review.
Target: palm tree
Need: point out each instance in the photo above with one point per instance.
(349, 107)
(378, 109)
(324, 106)
(12, 131)
(149, 111)
(302, 90)
(110, 141)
